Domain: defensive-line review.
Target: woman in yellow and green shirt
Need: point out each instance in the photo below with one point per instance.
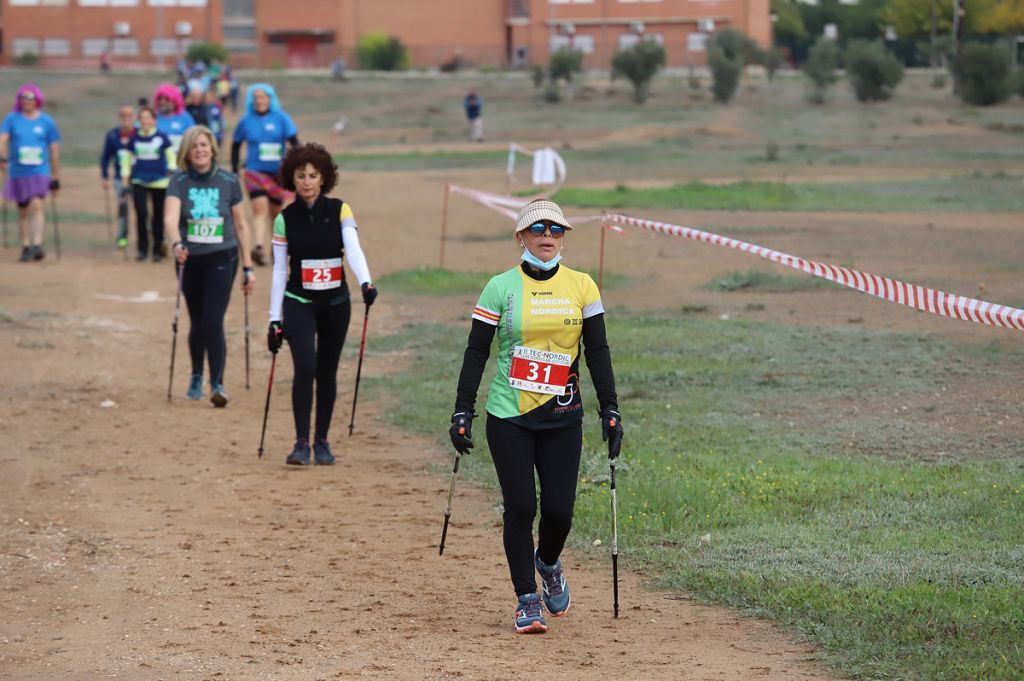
(541, 311)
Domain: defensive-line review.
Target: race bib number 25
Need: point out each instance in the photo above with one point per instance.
(321, 275)
(539, 371)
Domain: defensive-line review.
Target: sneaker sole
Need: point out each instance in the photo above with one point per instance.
(219, 400)
(324, 463)
(533, 628)
(293, 462)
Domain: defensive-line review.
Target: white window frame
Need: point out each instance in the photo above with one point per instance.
(56, 47)
(20, 46)
(124, 47)
(94, 47)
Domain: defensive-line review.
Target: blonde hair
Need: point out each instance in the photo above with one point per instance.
(188, 140)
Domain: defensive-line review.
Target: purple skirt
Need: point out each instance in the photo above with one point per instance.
(21, 189)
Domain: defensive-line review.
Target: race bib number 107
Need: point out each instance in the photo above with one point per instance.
(539, 371)
(321, 275)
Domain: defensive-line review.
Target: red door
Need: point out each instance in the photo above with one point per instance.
(302, 52)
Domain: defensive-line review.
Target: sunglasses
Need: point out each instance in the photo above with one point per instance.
(538, 228)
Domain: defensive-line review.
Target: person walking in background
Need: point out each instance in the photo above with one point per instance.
(151, 151)
(30, 158)
(172, 119)
(264, 129)
(196, 106)
(215, 113)
(205, 219)
(474, 106)
(541, 312)
(309, 297)
(117, 149)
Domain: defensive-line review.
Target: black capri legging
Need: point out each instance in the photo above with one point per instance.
(139, 195)
(206, 284)
(315, 333)
(555, 454)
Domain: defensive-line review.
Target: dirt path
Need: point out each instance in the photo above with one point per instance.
(146, 541)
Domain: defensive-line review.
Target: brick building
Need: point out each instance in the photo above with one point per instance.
(312, 33)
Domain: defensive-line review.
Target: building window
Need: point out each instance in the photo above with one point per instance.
(583, 43)
(697, 42)
(240, 33)
(570, 2)
(625, 1)
(627, 40)
(238, 8)
(176, 3)
(108, 3)
(125, 47)
(163, 47)
(56, 47)
(36, 3)
(21, 46)
(94, 47)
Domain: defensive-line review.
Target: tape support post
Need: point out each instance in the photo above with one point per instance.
(892, 290)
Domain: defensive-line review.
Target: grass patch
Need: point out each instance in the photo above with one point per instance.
(897, 567)
(969, 193)
(407, 161)
(755, 280)
(36, 345)
(434, 281)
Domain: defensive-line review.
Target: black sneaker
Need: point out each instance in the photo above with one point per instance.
(158, 256)
(322, 453)
(26, 254)
(140, 256)
(38, 253)
(300, 454)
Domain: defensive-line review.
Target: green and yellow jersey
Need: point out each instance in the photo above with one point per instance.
(539, 326)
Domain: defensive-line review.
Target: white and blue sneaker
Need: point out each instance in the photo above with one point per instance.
(218, 396)
(529, 618)
(195, 387)
(556, 592)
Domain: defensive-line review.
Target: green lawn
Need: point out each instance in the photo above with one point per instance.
(892, 544)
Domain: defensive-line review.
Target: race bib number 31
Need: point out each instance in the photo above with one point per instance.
(321, 275)
(206, 231)
(539, 371)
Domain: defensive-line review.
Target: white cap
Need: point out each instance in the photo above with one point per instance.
(536, 211)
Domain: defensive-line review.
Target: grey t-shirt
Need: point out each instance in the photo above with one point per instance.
(206, 224)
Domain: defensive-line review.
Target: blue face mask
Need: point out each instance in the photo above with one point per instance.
(538, 263)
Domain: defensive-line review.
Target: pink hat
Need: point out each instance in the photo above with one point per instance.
(172, 93)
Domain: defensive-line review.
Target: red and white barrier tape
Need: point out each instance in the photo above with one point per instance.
(510, 205)
(893, 290)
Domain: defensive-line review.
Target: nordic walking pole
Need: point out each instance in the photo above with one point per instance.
(246, 296)
(359, 372)
(615, 543)
(56, 223)
(266, 407)
(174, 329)
(110, 220)
(5, 223)
(448, 508)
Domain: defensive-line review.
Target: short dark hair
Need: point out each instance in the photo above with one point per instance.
(315, 155)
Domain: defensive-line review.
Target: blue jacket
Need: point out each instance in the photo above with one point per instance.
(113, 146)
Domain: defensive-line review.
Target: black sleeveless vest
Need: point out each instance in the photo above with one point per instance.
(314, 234)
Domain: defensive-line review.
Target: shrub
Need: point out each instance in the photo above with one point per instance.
(873, 71)
(639, 64)
(206, 53)
(552, 94)
(820, 68)
(564, 62)
(737, 45)
(537, 74)
(381, 52)
(1019, 85)
(26, 59)
(725, 74)
(772, 60)
(984, 73)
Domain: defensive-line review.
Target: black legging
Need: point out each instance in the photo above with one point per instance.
(315, 333)
(139, 194)
(206, 284)
(555, 454)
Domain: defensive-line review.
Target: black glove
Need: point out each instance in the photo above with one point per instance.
(369, 293)
(611, 431)
(54, 185)
(461, 431)
(275, 337)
